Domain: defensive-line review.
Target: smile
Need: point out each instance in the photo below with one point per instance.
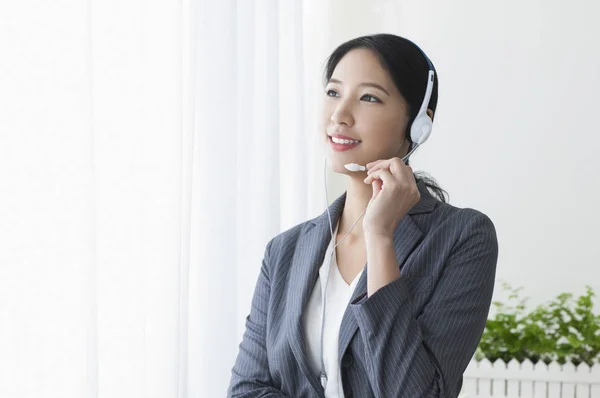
(340, 145)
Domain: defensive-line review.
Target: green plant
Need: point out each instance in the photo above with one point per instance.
(565, 329)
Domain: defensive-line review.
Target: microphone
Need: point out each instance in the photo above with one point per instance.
(355, 167)
(359, 167)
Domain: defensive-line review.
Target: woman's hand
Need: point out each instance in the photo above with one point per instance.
(395, 192)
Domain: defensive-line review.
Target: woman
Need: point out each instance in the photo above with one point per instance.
(409, 288)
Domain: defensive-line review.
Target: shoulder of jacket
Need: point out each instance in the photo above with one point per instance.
(289, 236)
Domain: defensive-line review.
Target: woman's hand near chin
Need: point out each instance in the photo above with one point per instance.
(395, 192)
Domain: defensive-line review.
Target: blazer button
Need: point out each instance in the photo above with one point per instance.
(347, 360)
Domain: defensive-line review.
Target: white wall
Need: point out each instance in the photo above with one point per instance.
(515, 135)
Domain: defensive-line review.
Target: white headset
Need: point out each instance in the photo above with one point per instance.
(420, 130)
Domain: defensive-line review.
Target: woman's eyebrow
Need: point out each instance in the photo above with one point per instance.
(365, 84)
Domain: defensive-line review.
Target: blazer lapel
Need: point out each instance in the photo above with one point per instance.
(406, 237)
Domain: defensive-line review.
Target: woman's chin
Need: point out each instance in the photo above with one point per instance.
(337, 160)
(337, 166)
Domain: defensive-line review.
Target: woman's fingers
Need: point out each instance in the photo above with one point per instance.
(381, 174)
(395, 165)
(395, 168)
(383, 163)
(373, 164)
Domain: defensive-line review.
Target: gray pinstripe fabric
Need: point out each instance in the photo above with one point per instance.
(412, 338)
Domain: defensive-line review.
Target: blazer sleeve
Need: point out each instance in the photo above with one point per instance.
(250, 377)
(426, 356)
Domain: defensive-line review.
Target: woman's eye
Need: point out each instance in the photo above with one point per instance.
(371, 98)
(367, 97)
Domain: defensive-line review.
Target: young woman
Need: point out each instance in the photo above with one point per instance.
(395, 305)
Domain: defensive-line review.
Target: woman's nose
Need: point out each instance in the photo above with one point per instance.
(342, 114)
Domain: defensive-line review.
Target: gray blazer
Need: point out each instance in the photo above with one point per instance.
(412, 338)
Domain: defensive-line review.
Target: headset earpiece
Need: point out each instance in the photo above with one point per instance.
(421, 129)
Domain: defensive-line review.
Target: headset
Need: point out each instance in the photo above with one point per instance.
(420, 130)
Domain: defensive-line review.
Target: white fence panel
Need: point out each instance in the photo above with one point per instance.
(527, 386)
(512, 385)
(526, 380)
(595, 387)
(484, 387)
(554, 371)
(471, 384)
(568, 388)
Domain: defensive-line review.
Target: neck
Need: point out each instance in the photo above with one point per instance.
(358, 195)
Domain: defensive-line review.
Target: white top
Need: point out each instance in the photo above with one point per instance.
(338, 298)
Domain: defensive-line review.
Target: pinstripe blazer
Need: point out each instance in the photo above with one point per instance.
(412, 338)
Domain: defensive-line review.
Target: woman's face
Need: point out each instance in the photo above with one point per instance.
(363, 103)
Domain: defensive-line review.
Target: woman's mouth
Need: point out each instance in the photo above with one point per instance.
(340, 145)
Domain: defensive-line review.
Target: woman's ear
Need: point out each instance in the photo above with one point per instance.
(430, 113)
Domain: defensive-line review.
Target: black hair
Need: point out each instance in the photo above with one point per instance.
(408, 68)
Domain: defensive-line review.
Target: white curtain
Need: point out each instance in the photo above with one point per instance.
(94, 159)
(149, 150)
